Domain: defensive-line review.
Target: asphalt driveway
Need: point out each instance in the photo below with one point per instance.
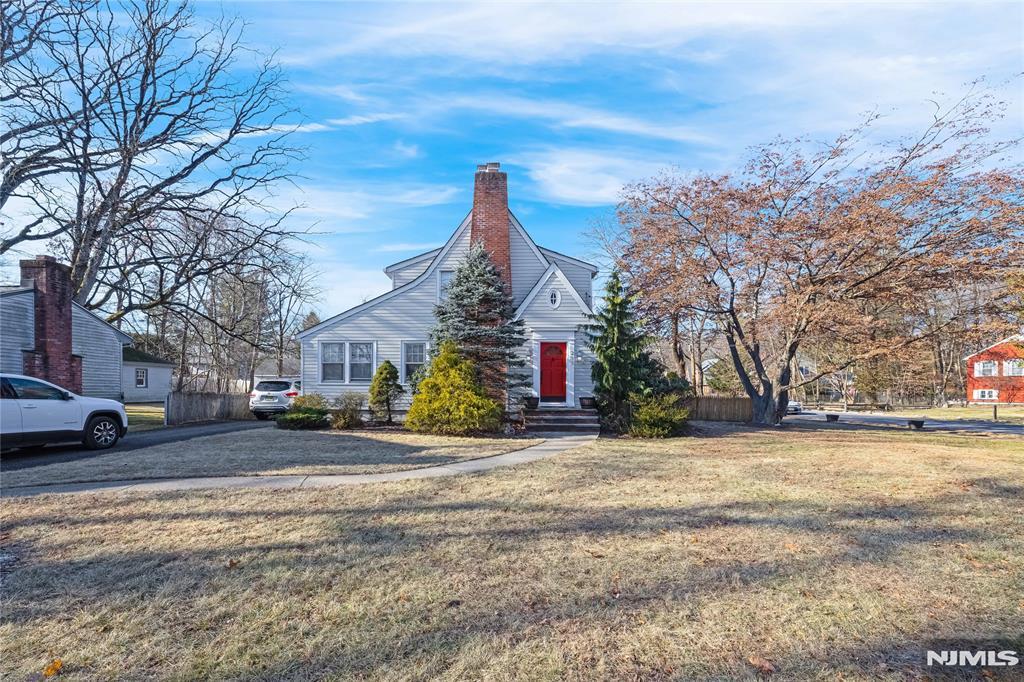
(969, 426)
(33, 457)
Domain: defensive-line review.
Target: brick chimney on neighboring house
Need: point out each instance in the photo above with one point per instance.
(51, 359)
(490, 222)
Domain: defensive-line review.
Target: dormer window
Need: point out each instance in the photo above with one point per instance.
(555, 298)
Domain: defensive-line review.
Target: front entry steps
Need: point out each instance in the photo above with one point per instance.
(562, 420)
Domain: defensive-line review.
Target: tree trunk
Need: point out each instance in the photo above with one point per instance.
(764, 411)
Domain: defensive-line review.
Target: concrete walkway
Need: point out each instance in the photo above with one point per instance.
(555, 444)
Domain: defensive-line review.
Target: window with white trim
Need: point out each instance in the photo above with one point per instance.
(332, 362)
(986, 394)
(444, 280)
(360, 361)
(414, 356)
(986, 368)
(554, 298)
(141, 377)
(1013, 368)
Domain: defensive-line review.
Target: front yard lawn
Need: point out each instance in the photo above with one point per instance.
(816, 554)
(270, 452)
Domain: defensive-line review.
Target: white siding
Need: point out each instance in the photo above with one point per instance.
(526, 266)
(100, 347)
(17, 330)
(410, 272)
(578, 276)
(540, 317)
(159, 383)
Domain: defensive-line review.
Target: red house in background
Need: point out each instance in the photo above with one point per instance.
(996, 374)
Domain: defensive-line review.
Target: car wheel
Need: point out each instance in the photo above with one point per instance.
(261, 415)
(101, 433)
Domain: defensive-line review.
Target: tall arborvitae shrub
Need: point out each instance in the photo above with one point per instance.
(450, 399)
(622, 365)
(385, 389)
(476, 315)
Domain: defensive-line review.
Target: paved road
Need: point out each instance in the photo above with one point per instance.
(556, 443)
(969, 426)
(34, 457)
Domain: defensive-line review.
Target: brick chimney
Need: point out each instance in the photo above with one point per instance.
(490, 223)
(51, 359)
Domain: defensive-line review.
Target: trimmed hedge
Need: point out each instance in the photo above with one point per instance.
(307, 419)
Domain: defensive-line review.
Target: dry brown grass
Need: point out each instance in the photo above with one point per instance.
(837, 554)
(270, 452)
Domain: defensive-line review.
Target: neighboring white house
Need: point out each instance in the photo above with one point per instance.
(145, 378)
(45, 334)
(552, 293)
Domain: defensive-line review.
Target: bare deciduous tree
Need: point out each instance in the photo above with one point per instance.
(846, 242)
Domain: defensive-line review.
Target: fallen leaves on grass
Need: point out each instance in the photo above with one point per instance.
(763, 666)
(53, 668)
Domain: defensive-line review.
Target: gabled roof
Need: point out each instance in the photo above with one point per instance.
(463, 226)
(412, 260)
(552, 271)
(551, 253)
(129, 354)
(1016, 338)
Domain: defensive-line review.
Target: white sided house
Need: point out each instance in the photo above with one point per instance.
(551, 292)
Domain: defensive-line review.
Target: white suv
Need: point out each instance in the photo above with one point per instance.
(36, 412)
(273, 396)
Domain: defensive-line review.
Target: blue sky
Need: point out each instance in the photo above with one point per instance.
(399, 102)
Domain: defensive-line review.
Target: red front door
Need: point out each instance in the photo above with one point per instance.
(552, 371)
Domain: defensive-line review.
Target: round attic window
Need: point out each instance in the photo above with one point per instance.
(555, 298)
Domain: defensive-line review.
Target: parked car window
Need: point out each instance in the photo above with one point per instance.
(360, 361)
(298, 386)
(273, 386)
(6, 390)
(415, 356)
(141, 377)
(35, 390)
(332, 358)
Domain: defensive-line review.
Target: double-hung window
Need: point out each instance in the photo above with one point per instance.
(414, 355)
(141, 377)
(360, 361)
(986, 368)
(1013, 368)
(332, 362)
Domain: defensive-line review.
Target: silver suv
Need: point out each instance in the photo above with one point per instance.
(273, 396)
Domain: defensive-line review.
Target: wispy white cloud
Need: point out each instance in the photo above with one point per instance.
(405, 247)
(407, 151)
(585, 177)
(363, 119)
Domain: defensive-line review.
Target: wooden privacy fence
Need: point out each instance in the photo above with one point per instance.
(720, 409)
(181, 408)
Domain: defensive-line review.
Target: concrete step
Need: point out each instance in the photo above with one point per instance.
(562, 411)
(563, 428)
(562, 418)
